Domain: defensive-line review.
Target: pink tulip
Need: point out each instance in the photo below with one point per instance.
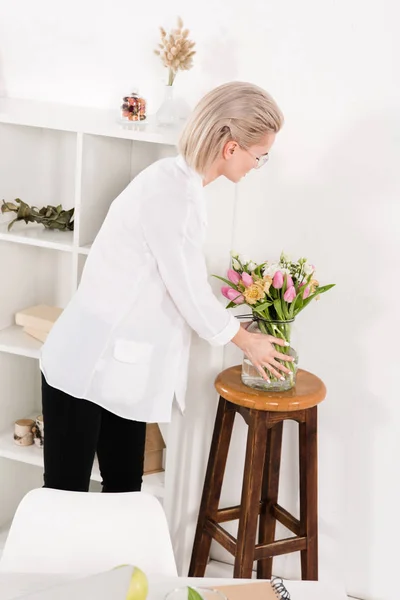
(235, 296)
(233, 276)
(290, 294)
(277, 281)
(306, 292)
(247, 280)
(289, 281)
(224, 291)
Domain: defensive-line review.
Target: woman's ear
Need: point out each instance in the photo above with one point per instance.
(229, 149)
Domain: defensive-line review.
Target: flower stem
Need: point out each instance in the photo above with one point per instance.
(171, 76)
(279, 331)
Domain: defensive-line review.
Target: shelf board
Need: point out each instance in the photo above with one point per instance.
(96, 121)
(14, 340)
(84, 249)
(37, 235)
(153, 483)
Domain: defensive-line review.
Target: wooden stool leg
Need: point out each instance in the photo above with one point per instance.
(251, 493)
(212, 486)
(269, 496)
(309, 493)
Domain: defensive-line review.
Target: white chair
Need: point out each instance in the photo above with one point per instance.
(55, 531)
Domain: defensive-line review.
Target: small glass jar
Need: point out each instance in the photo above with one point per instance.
(133, 108)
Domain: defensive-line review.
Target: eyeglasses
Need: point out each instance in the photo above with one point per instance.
(260, 160)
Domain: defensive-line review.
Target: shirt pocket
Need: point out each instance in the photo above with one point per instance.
(128, 351)
(128, 375)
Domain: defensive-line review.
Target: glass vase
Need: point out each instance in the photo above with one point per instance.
(168, 113)
(251, 376)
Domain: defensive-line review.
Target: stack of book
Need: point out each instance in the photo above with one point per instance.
(38, 320)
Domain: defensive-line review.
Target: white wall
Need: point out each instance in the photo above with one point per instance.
(330, 191)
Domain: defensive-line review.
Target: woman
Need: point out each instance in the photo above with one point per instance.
(118, 354)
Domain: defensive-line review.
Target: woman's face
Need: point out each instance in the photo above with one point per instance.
(237, 162)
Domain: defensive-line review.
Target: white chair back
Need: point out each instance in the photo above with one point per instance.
(56, 531)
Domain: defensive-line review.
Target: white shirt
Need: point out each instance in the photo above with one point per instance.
(123, 341)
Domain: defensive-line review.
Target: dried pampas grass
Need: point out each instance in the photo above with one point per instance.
(176, 50)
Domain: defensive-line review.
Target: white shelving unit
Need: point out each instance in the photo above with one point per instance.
(14, 341)
(32, 455)
(32, 235)
(77, 157)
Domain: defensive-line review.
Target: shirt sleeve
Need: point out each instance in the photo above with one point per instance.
(173, 234)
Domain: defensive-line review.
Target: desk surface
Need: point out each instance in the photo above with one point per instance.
(34, 586)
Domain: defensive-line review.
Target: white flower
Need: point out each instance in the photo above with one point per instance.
(244, 259)
(235, 264)
(308, 269)
(251, 266)
(285, 258)
(234, 254)
(270, 270)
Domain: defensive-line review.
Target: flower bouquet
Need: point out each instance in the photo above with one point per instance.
(176, 50)
(276, 292)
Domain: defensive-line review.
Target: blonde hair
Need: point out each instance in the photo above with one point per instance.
(236, 111)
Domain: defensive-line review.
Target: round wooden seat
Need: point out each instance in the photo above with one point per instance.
(308, 392)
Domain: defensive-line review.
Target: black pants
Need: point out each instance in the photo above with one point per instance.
(75, 430)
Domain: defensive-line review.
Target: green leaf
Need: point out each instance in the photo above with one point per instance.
(273, 293)
(317, 292)
(53, 225)
(263, 306)
(8, 207)
(193, 594)
(232, 285)
(278, 308)
(11, 223)
(297, 303)
(324, 288)
(258, 269)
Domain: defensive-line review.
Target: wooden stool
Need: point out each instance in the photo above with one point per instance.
(264, 413)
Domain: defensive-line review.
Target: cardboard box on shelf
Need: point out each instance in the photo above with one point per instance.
(154, 449)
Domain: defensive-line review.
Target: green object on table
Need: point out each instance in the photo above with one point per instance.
(193, 595)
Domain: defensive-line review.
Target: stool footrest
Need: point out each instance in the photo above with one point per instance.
(286, 519)
(221, 536)
(278, 512)
(285, 546)
(228, 514)
(232, 513)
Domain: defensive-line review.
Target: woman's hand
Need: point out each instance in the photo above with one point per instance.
(260, 351)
